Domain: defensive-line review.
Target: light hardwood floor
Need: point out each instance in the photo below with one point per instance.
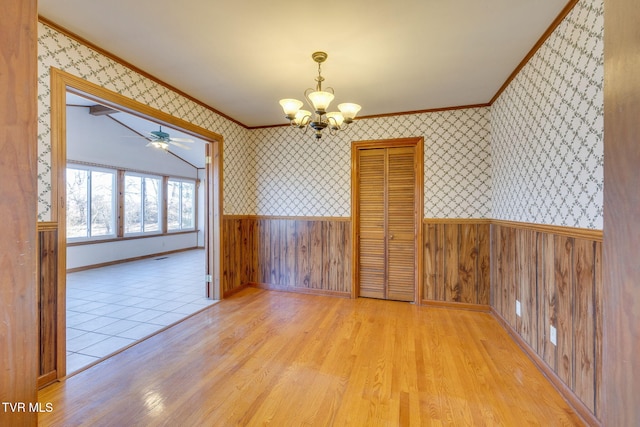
(284, 359)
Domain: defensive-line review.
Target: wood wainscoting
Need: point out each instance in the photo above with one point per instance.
(299, 254)
(456, 263)
(52, 360)
(555, 273)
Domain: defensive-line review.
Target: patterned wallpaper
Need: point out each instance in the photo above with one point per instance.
(57, 50)
(297, 175)
(536, 155)
(547, 129)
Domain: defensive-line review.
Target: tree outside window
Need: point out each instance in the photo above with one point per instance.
(142, 204)
(90, 203)
(180, 205)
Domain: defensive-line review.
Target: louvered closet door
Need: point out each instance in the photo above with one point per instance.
(372, 223)
(387, 258)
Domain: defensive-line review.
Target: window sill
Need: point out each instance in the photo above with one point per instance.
(126, 238)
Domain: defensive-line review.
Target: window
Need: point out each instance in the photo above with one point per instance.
(90, 203)
(142, 204)
(180, 205)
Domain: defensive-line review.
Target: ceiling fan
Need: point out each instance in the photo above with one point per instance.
(160, 139)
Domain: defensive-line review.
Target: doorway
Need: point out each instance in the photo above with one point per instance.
(387, 206)
(54, 312)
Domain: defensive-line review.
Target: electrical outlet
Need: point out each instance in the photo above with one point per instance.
(552, 335)
(518, 312)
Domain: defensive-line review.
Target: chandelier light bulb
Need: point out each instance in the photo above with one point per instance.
(349, 111)
(302, 118)
(319, 100)
(335, 120)
(290, 107)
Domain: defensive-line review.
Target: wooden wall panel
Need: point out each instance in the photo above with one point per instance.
(308, 255)
(564, 291)
(484, 264)
(18, 209)
(47, 304)
(456, 263)
(558, 281)
(620, 265)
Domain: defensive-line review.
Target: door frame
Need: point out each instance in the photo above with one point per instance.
(418, 143)
(63, 82)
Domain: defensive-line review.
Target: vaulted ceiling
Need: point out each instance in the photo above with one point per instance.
(241, 56)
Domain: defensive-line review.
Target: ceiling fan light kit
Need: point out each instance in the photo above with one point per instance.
(161, 140)
(319, 101)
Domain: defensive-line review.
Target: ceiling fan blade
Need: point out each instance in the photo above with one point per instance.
(177, 144)
(181, 139)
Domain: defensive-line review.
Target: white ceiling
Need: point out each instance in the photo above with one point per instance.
(194, 155)
(241, 56)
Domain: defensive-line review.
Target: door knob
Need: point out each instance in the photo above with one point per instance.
(391, 237)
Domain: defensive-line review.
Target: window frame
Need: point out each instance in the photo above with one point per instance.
(161, 204)
(89, 237)
(194, 182)
(118, 204)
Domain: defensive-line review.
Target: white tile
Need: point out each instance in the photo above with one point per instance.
(84, 341)
(96, 323)
(76, 361)
(141, 331)
(167, 319)
(116, 328)
(107, 346)
(122, 312)
(146, 315)
(98, 300)
(74, 333)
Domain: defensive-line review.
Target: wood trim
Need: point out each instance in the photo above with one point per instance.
(61, 82)
(46, 226)
(400, 113)
(560, 230)
(298, 290)
(620, 267)
(214, 208)
(457, 221)
(418, 143)
(121, 261)
(136, 171)
(457, 305)
(119, 208)
(428, 110)
(127, 238)
(46, 379)
(568, 395)
(230, 292)
(58, 209)
(120, 102)
(121, 61)
(290, 218)
(563, 14)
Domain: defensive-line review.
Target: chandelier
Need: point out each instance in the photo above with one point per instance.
(319, 101)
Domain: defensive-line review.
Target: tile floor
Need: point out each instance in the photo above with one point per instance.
(111, 307)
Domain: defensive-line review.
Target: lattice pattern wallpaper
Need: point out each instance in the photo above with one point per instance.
(536, 155)
(57, 50)
(547, 129)
(297, 175)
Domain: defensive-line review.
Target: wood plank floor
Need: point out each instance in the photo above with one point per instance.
(284, 359)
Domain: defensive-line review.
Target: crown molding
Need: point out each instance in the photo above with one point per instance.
(556, 22)
(129, 65)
